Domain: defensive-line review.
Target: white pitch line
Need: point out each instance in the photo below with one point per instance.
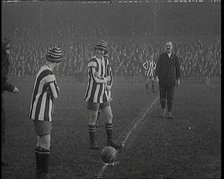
(139, 119)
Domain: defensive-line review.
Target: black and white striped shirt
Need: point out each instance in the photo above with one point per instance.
(149, 67)
(44, 92)
(96, 88)
(109, 83)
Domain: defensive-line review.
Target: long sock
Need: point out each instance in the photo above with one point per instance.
(44, 156)
(109, 129)
(92, 130)
(163, 103)
(38, 161)
(110, 142)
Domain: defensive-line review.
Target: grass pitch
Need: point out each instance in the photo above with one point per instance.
(158, 148)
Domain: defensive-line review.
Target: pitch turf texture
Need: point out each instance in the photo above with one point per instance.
(188, 146)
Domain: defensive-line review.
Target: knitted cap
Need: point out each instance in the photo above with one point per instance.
(54, 55)
(102, 45)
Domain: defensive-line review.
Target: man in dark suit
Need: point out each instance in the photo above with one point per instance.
(5, 85)
(167, 73)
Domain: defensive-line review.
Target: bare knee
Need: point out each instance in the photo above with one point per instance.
(92, 117)
(44, 141)
(108, 114)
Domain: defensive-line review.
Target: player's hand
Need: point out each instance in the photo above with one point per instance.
(58, 89)
(15, 90)
(96, 74)
(108, 78)
(108, 87)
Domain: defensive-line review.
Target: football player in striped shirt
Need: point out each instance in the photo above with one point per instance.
(149, 67)
(96, 95)
(108, 86)
(44, 93)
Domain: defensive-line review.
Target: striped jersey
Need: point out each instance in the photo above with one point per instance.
(44, 92)
(149, 67)
(96, 88)
(109, 83)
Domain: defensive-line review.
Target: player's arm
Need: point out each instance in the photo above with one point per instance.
(145, 65)
(92, 65)
(54, 89)
(52, 86)
(97, 77)
(109, 74)
(153, 73)
(7, 86)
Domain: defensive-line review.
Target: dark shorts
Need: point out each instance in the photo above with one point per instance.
(97, 106)
(42, 127)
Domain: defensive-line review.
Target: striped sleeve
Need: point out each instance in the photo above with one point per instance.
(92, 63)
(145, 65)
(50, 78)
(93, 66)
(110, 83)
(52, 86)
(96, 77)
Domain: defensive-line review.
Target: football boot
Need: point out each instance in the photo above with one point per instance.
(114, 144)
(94, 145)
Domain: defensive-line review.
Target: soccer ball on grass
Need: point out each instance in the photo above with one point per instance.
(108, 154)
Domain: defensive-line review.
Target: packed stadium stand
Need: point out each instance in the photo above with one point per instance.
(135, 31)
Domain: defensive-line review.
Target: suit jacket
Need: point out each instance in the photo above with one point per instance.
(167, 69)
(5, 84)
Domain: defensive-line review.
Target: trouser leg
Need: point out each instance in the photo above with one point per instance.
(170, 98)
(162, 95)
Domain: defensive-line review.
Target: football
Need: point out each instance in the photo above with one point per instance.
(108, 154)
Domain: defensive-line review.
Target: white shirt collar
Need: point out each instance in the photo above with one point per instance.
(169, 54)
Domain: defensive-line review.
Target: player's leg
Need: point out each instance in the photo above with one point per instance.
(98, 117)
(93, 109)
(109, 125)
(170, 99)
(162, 96)
(42, 149)
(153, 85)
(45, 154)
(37, 156)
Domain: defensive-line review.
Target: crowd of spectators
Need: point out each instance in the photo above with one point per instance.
(135, 34)
(198, 57)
